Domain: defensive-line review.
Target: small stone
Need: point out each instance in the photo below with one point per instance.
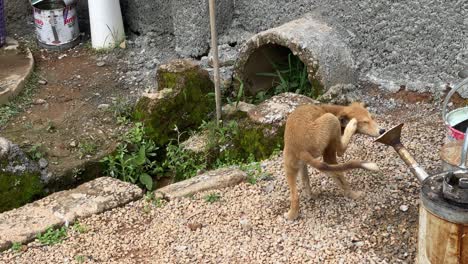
(359, 243)
(100, 64)
(43, 82)
(245, 224)
(39, 102)
(194, 226)
(269, 188)
(73, 144)
(43, 163)
(181, 248)
(103, 106)
(403, 208)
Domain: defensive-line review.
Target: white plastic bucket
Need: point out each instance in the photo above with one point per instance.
(107, 29)
(56, 25)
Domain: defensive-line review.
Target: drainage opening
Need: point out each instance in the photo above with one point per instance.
(273, 69)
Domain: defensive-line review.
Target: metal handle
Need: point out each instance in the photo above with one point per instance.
(464, 152)
(449, 95)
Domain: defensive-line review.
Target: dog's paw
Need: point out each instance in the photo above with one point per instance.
(370, 166)
(354, 194)
(291, 216)
(352, 124)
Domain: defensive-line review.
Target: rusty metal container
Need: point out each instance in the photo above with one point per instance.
(451, 155)
(443, 220)
(443, 211)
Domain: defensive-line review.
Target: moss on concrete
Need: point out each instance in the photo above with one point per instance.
(17, 190)
(184, 101)
(253, 140)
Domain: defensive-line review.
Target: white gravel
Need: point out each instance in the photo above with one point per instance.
(247, 226)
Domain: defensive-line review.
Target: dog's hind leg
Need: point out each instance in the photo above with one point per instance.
(304, 175)
(349, 131)
(339, 177)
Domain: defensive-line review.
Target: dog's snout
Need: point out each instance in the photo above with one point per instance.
(382, 130)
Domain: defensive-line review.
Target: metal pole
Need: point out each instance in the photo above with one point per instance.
(214, 47)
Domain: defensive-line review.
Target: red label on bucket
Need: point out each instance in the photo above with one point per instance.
(455, 134)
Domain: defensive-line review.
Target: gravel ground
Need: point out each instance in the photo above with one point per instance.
(247, 224)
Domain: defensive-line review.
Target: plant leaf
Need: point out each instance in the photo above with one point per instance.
(267, 74)
(146, 180)
(141, 158)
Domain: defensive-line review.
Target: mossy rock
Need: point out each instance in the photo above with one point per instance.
(17, 190)
(249, 132)
(183, 100)
(254, 140)
(20, 177)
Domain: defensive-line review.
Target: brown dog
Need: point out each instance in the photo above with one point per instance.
(313, 131)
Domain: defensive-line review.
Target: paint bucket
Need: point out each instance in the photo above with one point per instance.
(2, 24)
(56, 25)
(455, 117)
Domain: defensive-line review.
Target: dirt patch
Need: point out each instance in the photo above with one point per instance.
(67, 120)
(410, 96)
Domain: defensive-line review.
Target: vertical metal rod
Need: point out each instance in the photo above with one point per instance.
(463, 151)
(214, 47)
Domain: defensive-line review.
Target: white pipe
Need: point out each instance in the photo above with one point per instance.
(107, 29)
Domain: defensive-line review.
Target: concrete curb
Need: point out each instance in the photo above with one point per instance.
(18, 81)
(211, 180)
(327, 57)
(21, 225)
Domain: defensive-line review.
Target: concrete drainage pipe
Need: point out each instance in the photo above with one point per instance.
(328, 59)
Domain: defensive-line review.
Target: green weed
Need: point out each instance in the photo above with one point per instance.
(253, 171)
(52, 236)
(16, 247)
(212, 197)
(35, 152)
(151, 199)
(182, 163)
(87, 148)
(51, 127)
(291, 76)
(80, 258)
(80, 228)
(122, 110)
(20, 102)
(134, 159)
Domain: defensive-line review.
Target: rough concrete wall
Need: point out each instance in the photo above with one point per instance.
(18, 14)
(192, 24)
(83, 16)
(412, 43)
(142, 16)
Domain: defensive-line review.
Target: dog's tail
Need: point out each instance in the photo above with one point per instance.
(322, 166)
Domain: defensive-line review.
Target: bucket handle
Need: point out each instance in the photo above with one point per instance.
(464, 152)
(449, 95)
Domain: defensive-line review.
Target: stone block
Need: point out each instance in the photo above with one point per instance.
(21, 225)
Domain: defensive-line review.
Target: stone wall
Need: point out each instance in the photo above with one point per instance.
(410, 43)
